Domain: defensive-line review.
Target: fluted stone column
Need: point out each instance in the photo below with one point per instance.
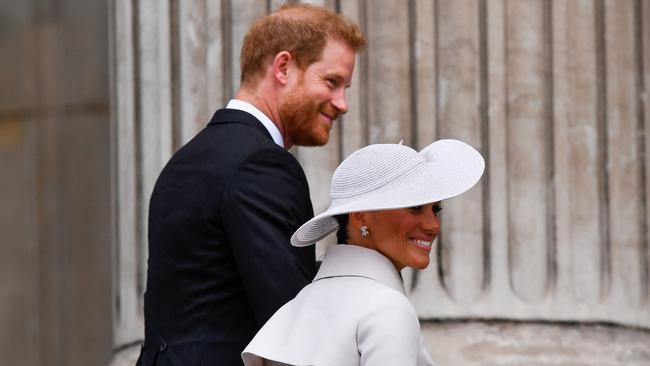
(546, 261)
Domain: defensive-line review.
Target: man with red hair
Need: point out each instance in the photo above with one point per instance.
(226, 204)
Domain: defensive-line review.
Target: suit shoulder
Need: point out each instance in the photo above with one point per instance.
(225, 146)
(235, 137)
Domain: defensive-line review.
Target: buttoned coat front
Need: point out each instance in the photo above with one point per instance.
(354, 313)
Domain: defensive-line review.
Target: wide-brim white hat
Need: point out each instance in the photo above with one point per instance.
(391, 176)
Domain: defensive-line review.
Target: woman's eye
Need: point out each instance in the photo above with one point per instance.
(437, 208)
(416, 208)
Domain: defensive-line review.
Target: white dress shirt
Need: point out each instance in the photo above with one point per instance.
(266, 121)
(353, 313)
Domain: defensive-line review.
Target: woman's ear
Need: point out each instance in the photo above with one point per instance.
(358, 219)
(358, 231)
(280, 67)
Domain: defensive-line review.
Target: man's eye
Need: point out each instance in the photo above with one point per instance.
(332, 83)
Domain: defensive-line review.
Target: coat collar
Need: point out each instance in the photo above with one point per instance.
(266, 121)
(356, 261)
(226, 115)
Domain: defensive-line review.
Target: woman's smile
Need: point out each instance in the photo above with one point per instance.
(404, 235)
(422, 243)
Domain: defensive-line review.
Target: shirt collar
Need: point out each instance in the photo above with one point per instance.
(354, 260)
(263, 118)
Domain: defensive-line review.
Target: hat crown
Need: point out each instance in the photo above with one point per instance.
(371, 168)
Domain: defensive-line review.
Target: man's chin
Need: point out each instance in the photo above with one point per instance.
(313, 141)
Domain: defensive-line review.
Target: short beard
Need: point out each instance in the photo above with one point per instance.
(299, 113)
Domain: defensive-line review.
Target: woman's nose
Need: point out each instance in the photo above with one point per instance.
(431, 222)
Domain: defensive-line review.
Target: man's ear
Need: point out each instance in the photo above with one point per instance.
(280, 66)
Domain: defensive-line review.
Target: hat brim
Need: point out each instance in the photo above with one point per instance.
(452, 168)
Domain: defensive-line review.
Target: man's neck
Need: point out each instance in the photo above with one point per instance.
(266, 105)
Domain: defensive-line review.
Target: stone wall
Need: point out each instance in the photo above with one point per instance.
(505, 343)
(54, 183)
(553, 93)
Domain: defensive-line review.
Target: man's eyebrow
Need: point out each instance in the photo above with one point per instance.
(333, 75)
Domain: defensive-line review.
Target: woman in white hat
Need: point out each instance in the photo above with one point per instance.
(385, 201)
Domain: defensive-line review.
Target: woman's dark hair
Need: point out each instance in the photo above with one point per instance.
(342, 233)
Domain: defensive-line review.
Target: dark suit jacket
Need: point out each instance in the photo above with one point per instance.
(220, 261)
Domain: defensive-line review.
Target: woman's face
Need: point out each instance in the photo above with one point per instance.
(405, 235)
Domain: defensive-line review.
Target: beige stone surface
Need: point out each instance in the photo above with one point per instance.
(54, 184)
(535, 344)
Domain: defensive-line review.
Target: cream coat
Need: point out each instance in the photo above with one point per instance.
(353, 313)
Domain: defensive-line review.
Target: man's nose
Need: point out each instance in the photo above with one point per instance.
(340, 103)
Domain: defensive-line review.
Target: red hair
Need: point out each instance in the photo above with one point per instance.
(302, 30)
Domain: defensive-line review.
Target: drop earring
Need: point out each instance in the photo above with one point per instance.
(364, 231)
